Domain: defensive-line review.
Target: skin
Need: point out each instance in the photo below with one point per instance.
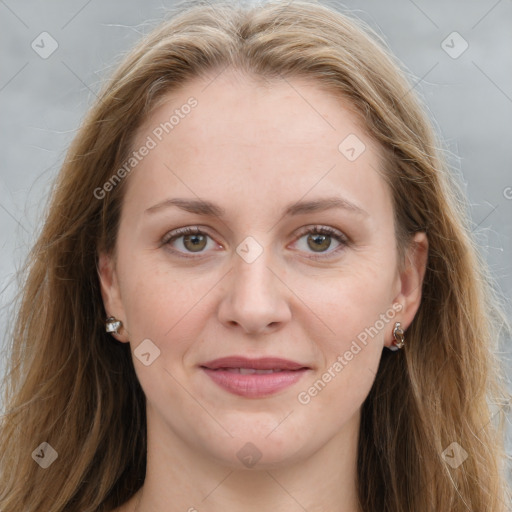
(253, 149)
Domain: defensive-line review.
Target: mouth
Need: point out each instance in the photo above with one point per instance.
(244, 363)
(249, 371)
(254, 378)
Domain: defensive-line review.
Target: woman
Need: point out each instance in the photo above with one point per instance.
(251, 215)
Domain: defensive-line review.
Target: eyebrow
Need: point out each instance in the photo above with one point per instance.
(202, 207)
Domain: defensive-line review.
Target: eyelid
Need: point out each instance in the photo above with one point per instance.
(187, 230)
(321, 228)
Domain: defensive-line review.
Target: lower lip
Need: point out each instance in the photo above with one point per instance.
(254, 385)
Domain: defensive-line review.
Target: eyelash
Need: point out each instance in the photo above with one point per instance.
(315, 230)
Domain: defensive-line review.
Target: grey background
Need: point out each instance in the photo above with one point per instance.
(42, 102)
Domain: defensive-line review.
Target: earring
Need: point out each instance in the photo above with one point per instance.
(398, 334)
(113, 324)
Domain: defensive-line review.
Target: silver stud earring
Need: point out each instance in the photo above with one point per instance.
(113, 324)
(399, 341)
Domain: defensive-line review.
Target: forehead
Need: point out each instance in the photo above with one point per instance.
(254, 109)
(254, 140)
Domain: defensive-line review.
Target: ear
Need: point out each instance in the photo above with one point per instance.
(410, 280)
(110, 293)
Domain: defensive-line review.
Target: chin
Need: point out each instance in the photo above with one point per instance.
(256, 450)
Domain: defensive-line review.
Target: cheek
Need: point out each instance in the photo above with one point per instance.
(354, 298)
(357, 315)
(164, 307)
(163, 303)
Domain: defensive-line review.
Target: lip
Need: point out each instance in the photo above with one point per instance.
(254, 385)
(262, 363)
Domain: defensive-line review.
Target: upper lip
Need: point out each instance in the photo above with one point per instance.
(264, 363)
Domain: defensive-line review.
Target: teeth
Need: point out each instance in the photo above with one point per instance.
(246, 371)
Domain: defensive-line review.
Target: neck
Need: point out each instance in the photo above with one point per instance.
(185, 478)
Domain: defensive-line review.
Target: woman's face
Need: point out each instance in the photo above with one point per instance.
(254, 281)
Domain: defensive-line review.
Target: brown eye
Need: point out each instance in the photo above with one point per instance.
(194, 243)
(318, 239)
(186, 240)
(318, 242)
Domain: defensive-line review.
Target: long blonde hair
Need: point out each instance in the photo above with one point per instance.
(71, 385)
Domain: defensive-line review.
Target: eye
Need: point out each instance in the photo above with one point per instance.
(319, 240)
(193, 240)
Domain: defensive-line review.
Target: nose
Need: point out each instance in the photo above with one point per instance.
(255, 297)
